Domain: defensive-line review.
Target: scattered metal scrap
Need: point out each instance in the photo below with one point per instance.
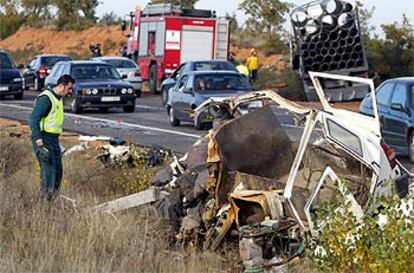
(247, 179)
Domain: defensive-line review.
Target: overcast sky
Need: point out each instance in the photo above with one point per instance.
(385, 10)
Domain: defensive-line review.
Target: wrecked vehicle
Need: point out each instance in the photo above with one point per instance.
(249, 180)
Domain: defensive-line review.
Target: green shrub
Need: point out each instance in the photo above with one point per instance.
(9, 24)
(266, 79)
(137, 178)
(108, 45)
(380, 242)
(24, 55)
(294, 87)
(82, 55)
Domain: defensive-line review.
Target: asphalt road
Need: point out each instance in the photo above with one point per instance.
(147, 126)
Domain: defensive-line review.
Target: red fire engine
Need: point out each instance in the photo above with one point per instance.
(162, 36)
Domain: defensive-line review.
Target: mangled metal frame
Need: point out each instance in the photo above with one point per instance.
(363, 128)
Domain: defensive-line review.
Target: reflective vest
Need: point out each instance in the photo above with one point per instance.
(243, 69)
(53, 122)
(252, 63)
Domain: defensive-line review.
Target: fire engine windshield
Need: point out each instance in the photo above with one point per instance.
(94, 71)
(221, 82)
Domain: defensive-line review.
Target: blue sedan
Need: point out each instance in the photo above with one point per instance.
(194, 88)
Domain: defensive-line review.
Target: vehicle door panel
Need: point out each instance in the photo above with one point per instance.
(187, 99)
(384, 94)
(177, 99)
(183, 101)
(396, 120)
(29, 73)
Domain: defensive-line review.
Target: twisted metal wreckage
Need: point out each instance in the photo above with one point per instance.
(247, 179)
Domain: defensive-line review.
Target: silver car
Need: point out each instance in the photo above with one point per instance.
(127, 68)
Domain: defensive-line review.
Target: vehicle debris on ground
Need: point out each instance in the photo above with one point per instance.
(249, 182)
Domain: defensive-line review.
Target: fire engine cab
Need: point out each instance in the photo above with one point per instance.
(161, 36)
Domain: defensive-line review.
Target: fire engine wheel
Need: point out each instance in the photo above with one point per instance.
(153, 79)
(173, 120)
(411, 147)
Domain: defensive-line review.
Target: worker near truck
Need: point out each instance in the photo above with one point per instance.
(252, 64)
(231, 57)
(46, 123)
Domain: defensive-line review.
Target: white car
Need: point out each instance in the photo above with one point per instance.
(127, 68)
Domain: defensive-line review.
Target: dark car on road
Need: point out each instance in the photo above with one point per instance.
(194, 88)
(38, 69)
(188, 67)
(395, 100)
(97, 85)
(11, 81)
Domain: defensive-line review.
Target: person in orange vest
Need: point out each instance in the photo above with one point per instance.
(252, 64)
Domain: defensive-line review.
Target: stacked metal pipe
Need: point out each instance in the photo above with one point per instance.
(327, 36)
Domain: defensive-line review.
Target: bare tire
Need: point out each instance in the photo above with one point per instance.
(173, 120)
(19, 96)
(411, 147)
(198, 125)
(164, 95)
(129, 108)
(75, 106)
(153, 79)
(37, 85)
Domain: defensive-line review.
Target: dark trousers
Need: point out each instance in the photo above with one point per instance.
(51, 170)
(253, 75)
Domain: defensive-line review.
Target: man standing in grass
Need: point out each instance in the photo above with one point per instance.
(46, 123)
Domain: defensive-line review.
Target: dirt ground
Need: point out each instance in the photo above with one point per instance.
(49, 41)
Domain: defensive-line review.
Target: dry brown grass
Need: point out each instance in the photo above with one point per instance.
(41, 237)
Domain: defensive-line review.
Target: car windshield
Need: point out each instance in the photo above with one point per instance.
(119, 63)
(51, 60)
(5, 61)
(94, 71)
(221, 82)
(204, 66)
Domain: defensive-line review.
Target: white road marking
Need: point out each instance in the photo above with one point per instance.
(141, 126)
(156, 129)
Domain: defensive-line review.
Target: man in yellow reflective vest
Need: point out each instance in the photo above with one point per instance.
(46, 123)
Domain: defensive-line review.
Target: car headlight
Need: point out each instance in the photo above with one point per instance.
(86, 91)
(17, 80)
(130, 91)
(95, 91)
(123, 91)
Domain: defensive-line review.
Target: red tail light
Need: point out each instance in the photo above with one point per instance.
(390, 153)
(42, 71)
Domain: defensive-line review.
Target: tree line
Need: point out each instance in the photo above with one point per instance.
(389, 55)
